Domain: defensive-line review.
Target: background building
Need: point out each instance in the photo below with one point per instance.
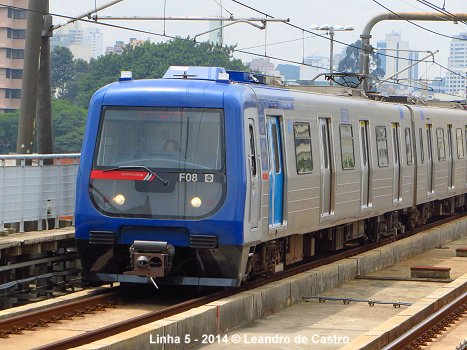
(398, 58)
(84, 43)
(289, 71)
(309, 72)
(120, 45)
(457, 62)
(263, 66)
(12, 42)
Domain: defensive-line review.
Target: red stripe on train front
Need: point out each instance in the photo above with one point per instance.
(121, 175)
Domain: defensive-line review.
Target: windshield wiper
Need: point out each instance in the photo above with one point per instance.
(128, 167)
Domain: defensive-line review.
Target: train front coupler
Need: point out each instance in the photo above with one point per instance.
(151, 259)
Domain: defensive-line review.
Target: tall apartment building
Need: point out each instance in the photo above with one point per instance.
(12, 42)
(83, 42)
(399, 57)
(456, 82)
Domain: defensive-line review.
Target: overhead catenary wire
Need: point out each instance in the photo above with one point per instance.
(319, 35)
(441, 10)
(233, 48)
(413, 23)
(142, 31)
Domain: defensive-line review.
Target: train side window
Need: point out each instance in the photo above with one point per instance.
(252, 151)
(460, 143)
(408, 146)
(440, 144)
(303, 148)
(347, 149)
(382, 146)
(422, 150)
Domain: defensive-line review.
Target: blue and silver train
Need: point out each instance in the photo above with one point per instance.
(207, 177)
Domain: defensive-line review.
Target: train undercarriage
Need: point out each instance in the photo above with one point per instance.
(273, 256)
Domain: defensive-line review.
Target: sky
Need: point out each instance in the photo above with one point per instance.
(283, 41)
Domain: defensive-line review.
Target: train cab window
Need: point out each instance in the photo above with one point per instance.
(303, 148)
(422, 150)
(440, 144)
(460, 143)
(382, 146)
(408, 146)
(347, 149)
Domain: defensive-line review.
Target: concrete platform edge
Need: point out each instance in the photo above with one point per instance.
(242, 309)
(388, 331)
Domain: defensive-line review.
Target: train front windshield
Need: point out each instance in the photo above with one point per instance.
(159, 162)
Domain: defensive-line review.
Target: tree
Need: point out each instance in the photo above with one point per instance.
(64, 70)
(148, 60)
(69, 122)
(351, 62)
(8, 132)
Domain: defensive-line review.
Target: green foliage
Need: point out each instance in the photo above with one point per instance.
(146, 61)
(74, 81)
(8, 132)
(64, 70)
(351, 61)
(69, 121)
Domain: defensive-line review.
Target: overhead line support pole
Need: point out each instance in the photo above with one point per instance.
(44, 99)
(30, 77)
(367, 49)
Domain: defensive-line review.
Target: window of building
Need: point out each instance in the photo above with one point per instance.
(13, 93)
(16, 13)
(440, 144)
(16, 33)
(382, 146)
(347, 149)
(15, 53)
(303, 148)
(14, 73)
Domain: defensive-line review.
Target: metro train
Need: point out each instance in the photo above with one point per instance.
(209, 178)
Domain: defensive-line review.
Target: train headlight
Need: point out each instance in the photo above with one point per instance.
(119, 199)
(196, 202)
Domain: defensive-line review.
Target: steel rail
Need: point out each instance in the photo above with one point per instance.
(125, 325)
(429, 327)
(41, 318)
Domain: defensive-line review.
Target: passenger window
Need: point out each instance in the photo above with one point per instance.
(408, 146)
(275, 142)
(303, 148)
(460, 143)
(347, 150)
(382, 146)
(440, 144)
(252, 151)
(422, 150)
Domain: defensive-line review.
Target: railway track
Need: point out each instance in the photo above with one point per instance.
(43, 318)
(39, 319)
(426, 331)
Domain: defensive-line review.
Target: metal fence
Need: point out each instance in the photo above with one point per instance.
(34, 191)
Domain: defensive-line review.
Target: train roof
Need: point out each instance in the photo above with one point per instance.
(210, 83)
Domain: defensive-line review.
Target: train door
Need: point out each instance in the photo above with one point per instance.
(429, 144)
(396, 189)
(450, 159)
(276, 172)
(326, 166)
(253, 175)
(365, 163)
